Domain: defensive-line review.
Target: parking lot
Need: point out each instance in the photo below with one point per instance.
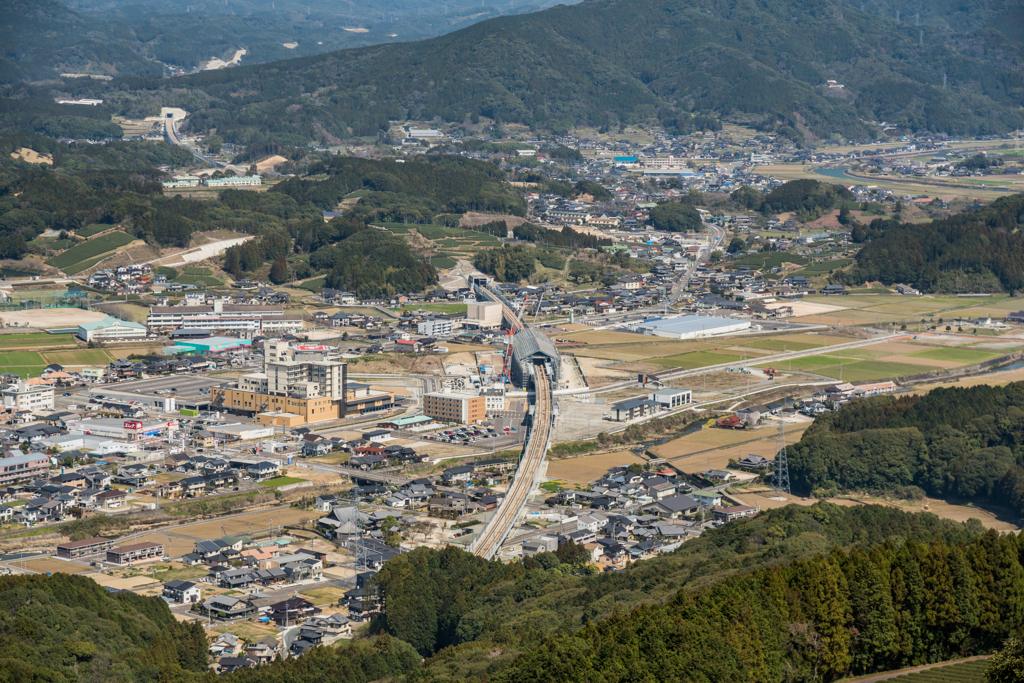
(188, 390)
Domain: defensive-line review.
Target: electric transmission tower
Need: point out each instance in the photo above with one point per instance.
(781, 474)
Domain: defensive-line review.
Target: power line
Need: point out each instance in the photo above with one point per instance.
(781, 474)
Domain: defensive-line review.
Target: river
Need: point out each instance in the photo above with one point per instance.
(834, 173)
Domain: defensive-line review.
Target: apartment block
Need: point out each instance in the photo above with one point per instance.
(455, 407)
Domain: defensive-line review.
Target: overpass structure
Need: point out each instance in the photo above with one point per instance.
(540, 369)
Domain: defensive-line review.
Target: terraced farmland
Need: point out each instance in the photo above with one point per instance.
(91, 249)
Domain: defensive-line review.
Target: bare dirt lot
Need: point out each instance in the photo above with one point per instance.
(32, 156)
(254, 521)
(590, 467)
(52, 317)
(54, 565)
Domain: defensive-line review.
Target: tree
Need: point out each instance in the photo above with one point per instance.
(736, 245)
(676, 217)
(279, 270)
(214, 143)
(1007, 665)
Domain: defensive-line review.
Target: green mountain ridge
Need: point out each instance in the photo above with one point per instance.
(610, 62)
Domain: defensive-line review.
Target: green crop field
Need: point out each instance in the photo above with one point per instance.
(33, 341)
(84, 265)
(90, 249)
(768, 260)
(200, 280)
(443, 261)
(314, 285)
(22, 358)
(90, 230)
(196, 271)
(79, 357)
(955, 355)
(966, 672)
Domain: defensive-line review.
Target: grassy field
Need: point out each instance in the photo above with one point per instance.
(91, 249)
(314, 285)
(825, 266)
(324, 596)
(442, 308)
(34, 340)
(697, 359)
(965, 356)
(78, 357)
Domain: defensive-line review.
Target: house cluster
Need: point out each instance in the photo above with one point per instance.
(823, 401)
(632, 515)
(234, 653)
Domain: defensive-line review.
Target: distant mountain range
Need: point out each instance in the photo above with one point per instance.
(611, 62)
(44, 38)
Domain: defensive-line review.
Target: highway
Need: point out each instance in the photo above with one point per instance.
(499, 526)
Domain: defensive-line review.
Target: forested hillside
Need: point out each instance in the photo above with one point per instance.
(795, 594)
(607, 62)
(963, 443)
(980, 250)
(45, 38)
(798, 593)
(69, 628)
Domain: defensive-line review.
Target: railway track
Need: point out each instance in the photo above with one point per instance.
(526, 474)
(498, 528)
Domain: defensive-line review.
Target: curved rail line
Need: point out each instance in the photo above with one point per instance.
(495, 531)
(526, 474)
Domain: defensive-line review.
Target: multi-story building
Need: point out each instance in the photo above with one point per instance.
(138, 552)
(20, 467)
(24, 396)
(436, 327)
(297, 385)
(494, 399)
(455, 407)
(265, 320)
(484, 314)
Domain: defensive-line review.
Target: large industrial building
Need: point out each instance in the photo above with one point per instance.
(691, 326)
(111, 329)
(298, 385)
(209, 345)
(251, 319)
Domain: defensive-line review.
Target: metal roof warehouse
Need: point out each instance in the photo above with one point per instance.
(691, 326)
